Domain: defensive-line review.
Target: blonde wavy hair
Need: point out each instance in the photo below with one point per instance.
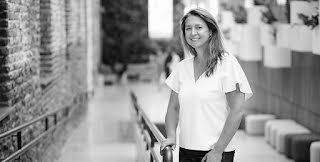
(216, 48)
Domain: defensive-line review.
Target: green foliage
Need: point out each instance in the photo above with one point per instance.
(125, 30)
(274, 11)
(268, 16)
(312, 21)
(239, 14)
(225, 6)
(265, 2)
(175, 42)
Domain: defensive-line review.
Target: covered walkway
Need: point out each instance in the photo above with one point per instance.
(107, 133)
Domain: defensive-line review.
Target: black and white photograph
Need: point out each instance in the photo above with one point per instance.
(159, 81)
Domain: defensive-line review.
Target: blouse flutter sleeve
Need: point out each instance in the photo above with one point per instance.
(233, 74)
(173, 80)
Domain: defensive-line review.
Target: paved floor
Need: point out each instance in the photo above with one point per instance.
(107, 133)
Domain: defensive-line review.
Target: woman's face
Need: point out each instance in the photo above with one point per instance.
(197, 32)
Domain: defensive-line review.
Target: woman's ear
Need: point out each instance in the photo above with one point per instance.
(210, 33)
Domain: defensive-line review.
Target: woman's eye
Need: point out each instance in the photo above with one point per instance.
(188, 28)
(199, 27)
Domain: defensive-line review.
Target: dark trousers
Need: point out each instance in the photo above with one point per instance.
(186, 155)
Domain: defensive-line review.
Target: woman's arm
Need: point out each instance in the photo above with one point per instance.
(171, 120)
(235, 100)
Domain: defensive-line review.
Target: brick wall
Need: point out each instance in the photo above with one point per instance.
(43, 50)
(96, 37)
(20, 66)
(93, 36)
(53, 39)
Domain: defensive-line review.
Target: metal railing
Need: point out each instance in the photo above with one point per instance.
(150, 133)
(17, 131)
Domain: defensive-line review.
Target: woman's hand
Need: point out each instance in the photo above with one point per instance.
(212, 156)
(168, 142)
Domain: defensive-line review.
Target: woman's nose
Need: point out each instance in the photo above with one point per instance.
(193, 31)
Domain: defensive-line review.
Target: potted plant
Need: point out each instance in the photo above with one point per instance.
(274, 57)
(240, 17)
(301, 34)
(316, 38)
(248, 36)
(281, 13)
(268, 29)
(255, 13)
(306, 7)
(283, 35)
(312, 22)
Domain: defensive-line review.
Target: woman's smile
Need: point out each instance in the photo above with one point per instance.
(195, 39)
(196, 32)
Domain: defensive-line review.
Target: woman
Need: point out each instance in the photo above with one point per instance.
(208, 90)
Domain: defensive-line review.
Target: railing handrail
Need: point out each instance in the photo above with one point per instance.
(20, 127)
(166, 152)
(30, 144)
(155, 131)
(16, 131)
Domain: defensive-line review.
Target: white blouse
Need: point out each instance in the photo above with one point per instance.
(203, 103)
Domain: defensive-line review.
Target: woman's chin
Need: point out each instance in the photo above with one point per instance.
(197, 46)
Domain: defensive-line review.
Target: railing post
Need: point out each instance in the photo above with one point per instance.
(46, 124)
(16, 134)
(151, 146)
(151, 133)
(55, 119)
(167, 154)
(67, 112)
(19, 140)
(151, 158)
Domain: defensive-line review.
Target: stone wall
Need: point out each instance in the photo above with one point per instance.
(43, 63)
